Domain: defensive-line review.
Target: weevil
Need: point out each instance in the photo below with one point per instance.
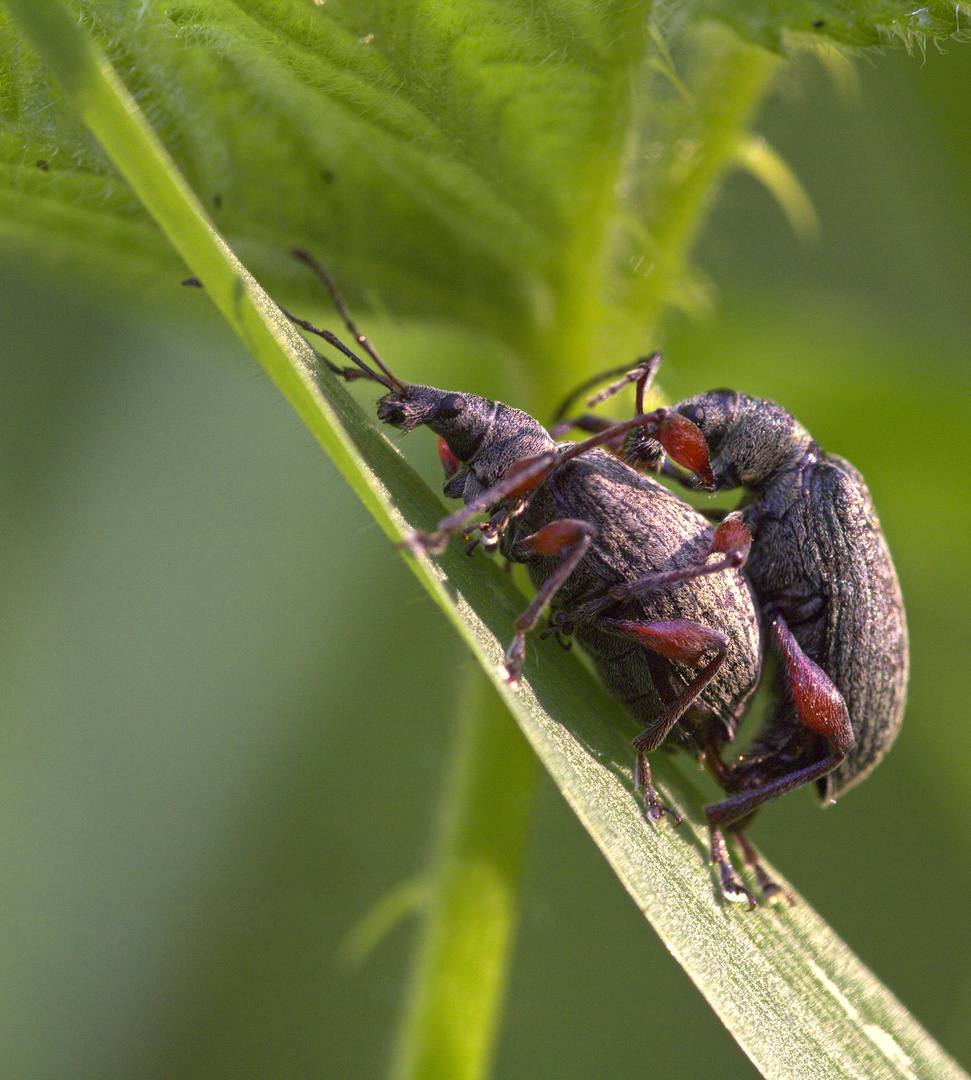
(648, 587)
(829, 595)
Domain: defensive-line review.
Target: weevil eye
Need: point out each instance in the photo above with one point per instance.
(694, 413)
(451, 406)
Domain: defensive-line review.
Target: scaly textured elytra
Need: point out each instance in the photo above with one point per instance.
(829, 594)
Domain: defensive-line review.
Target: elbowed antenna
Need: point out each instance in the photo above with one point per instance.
(390, 381)
(642, 373)
(349, 373)
(387, 380)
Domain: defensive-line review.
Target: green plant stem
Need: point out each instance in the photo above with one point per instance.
(736, 78)
(460, 974)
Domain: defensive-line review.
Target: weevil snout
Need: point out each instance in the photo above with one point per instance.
(416, 405)
(401, 410)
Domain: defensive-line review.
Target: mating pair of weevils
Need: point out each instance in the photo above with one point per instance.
(671, 607)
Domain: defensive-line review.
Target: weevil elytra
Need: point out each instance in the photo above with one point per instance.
(829, 595)
(649, 588)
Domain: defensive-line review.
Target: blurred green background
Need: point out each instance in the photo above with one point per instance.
(226, 703)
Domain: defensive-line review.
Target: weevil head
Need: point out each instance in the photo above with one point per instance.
(482, 439)
(749, 439)
(464, 421)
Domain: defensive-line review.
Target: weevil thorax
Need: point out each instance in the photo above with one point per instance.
(484, 438)
(749, 439)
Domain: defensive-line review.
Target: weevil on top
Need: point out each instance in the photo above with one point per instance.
(827, 591)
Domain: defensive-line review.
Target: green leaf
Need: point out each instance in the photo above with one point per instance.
(542, 170)
(879, 23)
(531, 194)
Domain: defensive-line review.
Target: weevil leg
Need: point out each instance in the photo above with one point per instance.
(642, 373)
(583, 422)
(654, 806)
(521, 479)
(677, 639)
(747, 802)
(771, 890)
(731, 539)
(567, 538)
(681, 439)
(593, 425)
(819, 707)
(732, 888)
(729, 780)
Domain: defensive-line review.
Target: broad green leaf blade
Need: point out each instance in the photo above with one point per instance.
(531, 195)
(487, 138)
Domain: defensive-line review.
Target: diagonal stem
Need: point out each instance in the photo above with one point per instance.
(460, 973)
